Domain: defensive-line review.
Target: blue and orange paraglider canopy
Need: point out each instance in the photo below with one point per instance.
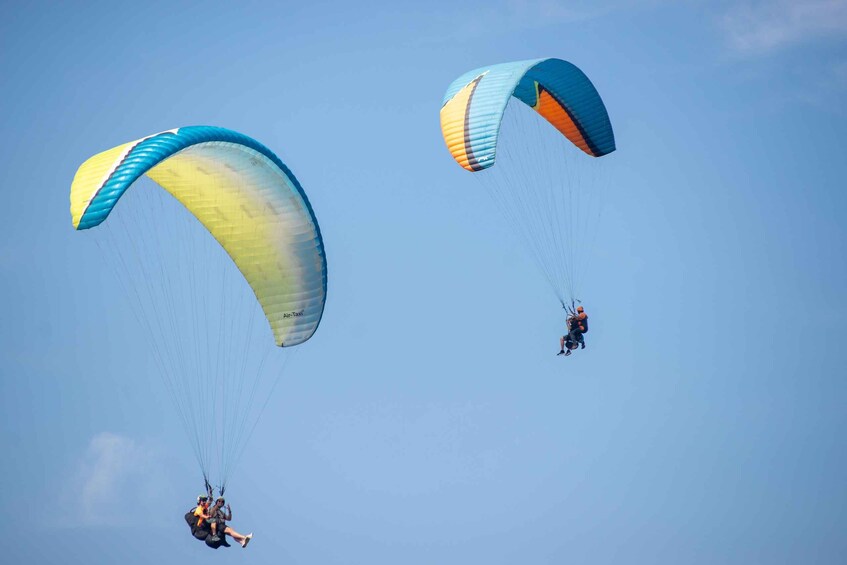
(541, 189)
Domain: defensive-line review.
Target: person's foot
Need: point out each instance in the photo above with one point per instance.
(582, 345)
(562, 352)
(247, 539)
(568, 352)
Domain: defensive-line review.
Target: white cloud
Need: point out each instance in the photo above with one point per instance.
(113, 470)
(765, 26)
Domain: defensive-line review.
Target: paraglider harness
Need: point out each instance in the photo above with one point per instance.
(204, 532)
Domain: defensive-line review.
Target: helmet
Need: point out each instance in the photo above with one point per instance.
(201, 498)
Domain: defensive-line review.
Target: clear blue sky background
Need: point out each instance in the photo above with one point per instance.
(428, 421)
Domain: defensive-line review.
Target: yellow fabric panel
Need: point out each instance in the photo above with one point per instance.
(238, 200)
(92, 175)
(453, 124)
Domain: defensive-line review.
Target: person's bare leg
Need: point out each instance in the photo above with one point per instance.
(214, 529)
(241, 539)
(234, 535)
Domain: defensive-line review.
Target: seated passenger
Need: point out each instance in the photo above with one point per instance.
(218, 518)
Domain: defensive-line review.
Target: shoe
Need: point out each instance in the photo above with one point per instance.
(582, 345)
(247, 539)
(562, 352)
(568, 352)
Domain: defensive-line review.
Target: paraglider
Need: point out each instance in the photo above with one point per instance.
(577, 326)
(188, 289)
(545, 187)
(208, 523)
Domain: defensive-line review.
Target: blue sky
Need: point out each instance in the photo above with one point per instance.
(428, 420)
